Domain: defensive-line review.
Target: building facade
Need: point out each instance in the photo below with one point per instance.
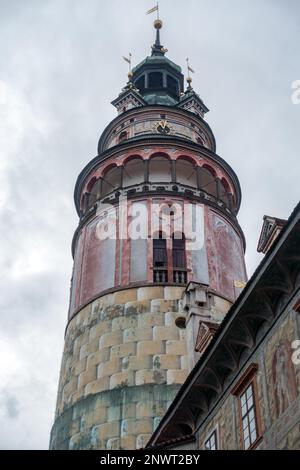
(158, 262)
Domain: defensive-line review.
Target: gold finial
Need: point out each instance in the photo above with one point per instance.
(157, 24)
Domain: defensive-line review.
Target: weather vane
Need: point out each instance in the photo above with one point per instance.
(128, 60)
(189, 69)
(152, 10)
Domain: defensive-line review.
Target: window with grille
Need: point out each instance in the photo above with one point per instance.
(248, 408)
(211, 443)
(248, 415)
(160, 260)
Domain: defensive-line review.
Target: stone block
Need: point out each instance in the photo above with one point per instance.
(124, 296)
(80, 340)
(176, 347)
(150, 377)
(97, 386)
(149, 293)
(150, 347)
(114, 413)
(77, 395)
(127, 442)
(148, 320)
(170, 318)
(122, 350)
(98, 357)
(79, 366)
(87, 376)
(100, 329)
(136, 426)
(144, 409)
(162, 306)
(128, 410)
(166, 361)
(109, 368)
(165, 333)
(142, 440)
(107, 431)
(89, 348)
(122, 323)
(173, 293)
(137, 307)
(176, 376)
(110, 339)
(122, 379)
(137, 334)
(94, 418)
(137, 362)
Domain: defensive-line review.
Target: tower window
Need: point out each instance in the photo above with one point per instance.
(160, 269)
(155, 80)
(179, 259)
(172, 85)
(140, 84)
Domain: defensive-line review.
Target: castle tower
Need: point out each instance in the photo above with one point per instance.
(157, 256)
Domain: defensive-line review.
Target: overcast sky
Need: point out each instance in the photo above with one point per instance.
(60, 67)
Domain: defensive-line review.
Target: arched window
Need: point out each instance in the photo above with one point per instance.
(159, 170)
(133, 172)
(208, 180)
(179, 258)
(224, 190)
(123, 136)
(160, 259)
(186, 173)
(111, 181)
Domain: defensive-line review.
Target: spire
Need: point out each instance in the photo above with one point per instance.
(157, 48)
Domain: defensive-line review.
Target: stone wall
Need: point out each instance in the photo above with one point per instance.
(124, 360)
(278, 394)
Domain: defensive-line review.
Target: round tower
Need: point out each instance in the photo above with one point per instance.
(158, 260)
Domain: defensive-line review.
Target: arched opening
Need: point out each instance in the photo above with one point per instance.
(140, 83)
(172, 85)
(111, 181)
(159, 170)
(133, 172)
(186, 173)
(155, 80)
(160, 259)
(208, 180)
(224, 191)
(92, 193)
(179, 258)
(123, 136)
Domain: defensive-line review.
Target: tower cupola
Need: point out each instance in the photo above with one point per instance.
(158, 79)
